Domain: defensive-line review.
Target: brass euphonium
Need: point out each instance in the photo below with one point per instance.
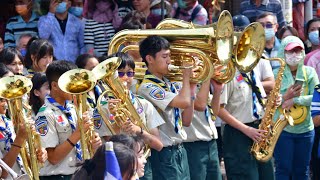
(248, 47)
(215, 41)
(263, 150)
(12, 89)
(78, 82)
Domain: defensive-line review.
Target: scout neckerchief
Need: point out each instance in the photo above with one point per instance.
(256, 93)
(97, 92)
(153, 79)
(67, 111)
(8, 139)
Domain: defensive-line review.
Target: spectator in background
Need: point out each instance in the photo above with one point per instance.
(155, 12)
(124, 7)
(38, 92)
(269, 22)
(213, 8)
(255, 8)
(312, 32)
(76, 8)
(22, 43)
(190, 10)
(287, 31)
(142, 6)
(13, 59)
(25, 23)
(102, 21)
(63, 30)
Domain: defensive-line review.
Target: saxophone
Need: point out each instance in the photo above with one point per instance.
(263, 150)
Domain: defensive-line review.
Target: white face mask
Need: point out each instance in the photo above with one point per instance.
(293, 59)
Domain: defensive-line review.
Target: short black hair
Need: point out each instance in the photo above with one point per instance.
(152, 45)
(8, 55)
(268, 14)
(82, 60)
(38, 48)
(127, 60)
(38, 80)
(3, 70)
(57, 68)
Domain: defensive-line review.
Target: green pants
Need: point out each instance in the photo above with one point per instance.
(240, 164)
(171, 163)
(147, 171)
(203, 160)
(56, 177)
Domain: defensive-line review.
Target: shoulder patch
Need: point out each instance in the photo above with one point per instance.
(157, 93)
(177, 86)
(96, 119)
(41, 124)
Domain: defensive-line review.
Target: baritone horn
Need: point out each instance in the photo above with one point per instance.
(214, 42)
(12, 89)
(78, 82)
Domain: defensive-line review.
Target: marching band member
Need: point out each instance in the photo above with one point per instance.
(201, 143)
(56, 122)
(171, 162)
(11, 142)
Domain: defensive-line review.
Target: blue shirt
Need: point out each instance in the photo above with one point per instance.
(67, 46)
(16, 26)
(249, 9)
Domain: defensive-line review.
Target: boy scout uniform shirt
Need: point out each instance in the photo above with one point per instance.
(16, 168)
(54, 128)
(148, 114)
(237, 99)
(201, 128)
(161, 98)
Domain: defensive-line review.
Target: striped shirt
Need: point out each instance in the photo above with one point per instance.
(123, 11)
(249, 9)
(99, 35)
(16, 26)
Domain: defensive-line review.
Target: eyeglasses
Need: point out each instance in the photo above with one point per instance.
(129, 74)
(267, 25)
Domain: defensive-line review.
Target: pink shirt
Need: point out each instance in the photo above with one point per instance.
(314, 61)
(306, 59)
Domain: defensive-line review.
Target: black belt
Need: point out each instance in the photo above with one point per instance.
(256, 122)
(177, 146)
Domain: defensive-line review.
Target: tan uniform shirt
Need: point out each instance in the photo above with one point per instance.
(54, 128)
(161, 98)
(237, 99)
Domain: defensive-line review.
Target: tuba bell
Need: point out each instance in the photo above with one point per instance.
(215, 42)
(78, 82)
(12, 89)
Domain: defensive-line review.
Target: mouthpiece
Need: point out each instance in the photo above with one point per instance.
(175, 68)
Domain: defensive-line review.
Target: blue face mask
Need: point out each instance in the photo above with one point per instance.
(314, 37)
(23, 52)
(269, 33)
(182, 4)
(61, 8)
(158, 12)
(77, 11)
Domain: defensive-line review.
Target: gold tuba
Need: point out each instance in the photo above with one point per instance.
(248, 47)
(12, 89)
(78, 82)
(215, 42)
(263, 150)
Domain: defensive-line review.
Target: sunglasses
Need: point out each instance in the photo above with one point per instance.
(129, 74)
(267, 25)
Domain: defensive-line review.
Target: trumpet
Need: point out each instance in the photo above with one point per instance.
(78, 82)
(12, 89)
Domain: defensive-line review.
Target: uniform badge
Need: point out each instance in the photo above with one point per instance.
(157, 93)
(2, 137)
(60, 120)
(139, 110)
(177, 86)
(42, 125)
(239, 78)
(96, 119)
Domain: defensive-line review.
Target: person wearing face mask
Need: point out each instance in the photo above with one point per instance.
(269, 22)
(312, 32)
(292, 153)
(22, 43)
(190, 10)
(63, 30)
(76, 8)
(101, 24)
(155, 12)
(25, 23)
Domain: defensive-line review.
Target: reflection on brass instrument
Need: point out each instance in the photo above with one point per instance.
(248, 47)
(107, 72)
(78, 82)
(263, 150)
(14, 175)
(214, 42)
(12, 89)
